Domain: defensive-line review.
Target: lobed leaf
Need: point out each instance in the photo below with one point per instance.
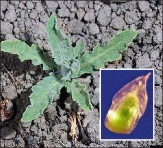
(60, 45)
(42, 95)
(79, 94)
(106, 52)
(26, 52)
(61, 48)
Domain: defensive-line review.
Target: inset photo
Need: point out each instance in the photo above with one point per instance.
(126, 104)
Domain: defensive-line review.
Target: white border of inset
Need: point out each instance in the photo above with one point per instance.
(100, 109)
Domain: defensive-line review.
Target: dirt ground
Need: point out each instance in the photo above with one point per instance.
(94, 21)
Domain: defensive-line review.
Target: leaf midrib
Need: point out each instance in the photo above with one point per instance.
(50, 87)
(98, 56)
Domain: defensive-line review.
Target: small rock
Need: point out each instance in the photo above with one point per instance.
(63, 12)
(10, 92)
(117, 23)
(158, 100)
(131, 17)
(97, 7)
(29, 5)
(158, 36)
(39, 8)
(113, 15)
(52, 5)
(41, 30)
(151, 14)
(126, 65)
(34, 129)
(15, 3)
(10, 37)
(28, 85)
(95, 99)
(33, 14)
(141, 32)
(90, 16)
(143, 62)
(8, 133)
(80, 13)
(104, 16)
(75, 26)
(96, 75)
(143, 5)
(44, 18)
(114, 7)
(3, 5)
(93, 29)
(62, 4)
(81, 4)
(93, 130)
(11, 15)
(133, 27)
(43, 123)
(147, 24)
(158, 79)
(130, 53)
(155, 54)
(16, 30)
(28, 23)
(156, 139)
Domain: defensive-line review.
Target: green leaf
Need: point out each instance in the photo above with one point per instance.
(61, 48)
(62, 51)
(79, 94)
(42, 95)
(26, 52)
(79, 48)
(106, 52)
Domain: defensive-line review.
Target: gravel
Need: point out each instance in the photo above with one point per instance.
(33, 14)
(143, 61)
(52, 5)
(155, 54)
(104, 14)
(3, 5)
(63, 12)
(117, 23)
(75, 26)
(6, 28)
(80, 14)
(10, 92)
(147, 24)
(95, 99)
(10, 15)
(30, 5)
(94, 21)
(93, 29)
(90, 16)
(131, 17)
(143, 5)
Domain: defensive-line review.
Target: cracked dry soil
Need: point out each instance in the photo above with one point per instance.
(95, 21)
